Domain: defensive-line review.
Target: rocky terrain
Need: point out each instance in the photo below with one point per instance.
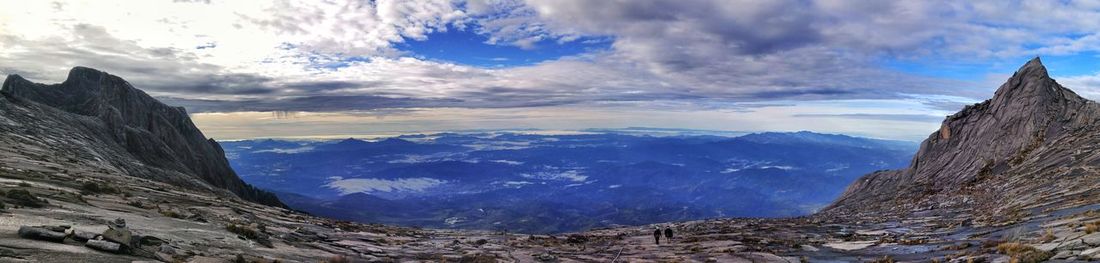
(125, 124)
(1007, 180)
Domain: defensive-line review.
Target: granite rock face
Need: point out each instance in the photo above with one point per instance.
(131, 123)
(1025, 139)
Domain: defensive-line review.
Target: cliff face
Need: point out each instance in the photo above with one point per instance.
(1020, 140)
(156, 135)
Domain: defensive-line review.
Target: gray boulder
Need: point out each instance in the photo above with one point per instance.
(38, 233)
(83, 236)
(102, 245)
(118, 233)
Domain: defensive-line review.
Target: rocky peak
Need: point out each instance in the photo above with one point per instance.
(1029, 113)
(1031, 89)
(156, 134)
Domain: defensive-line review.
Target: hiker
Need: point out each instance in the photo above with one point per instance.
(668, 234)
(657, 235)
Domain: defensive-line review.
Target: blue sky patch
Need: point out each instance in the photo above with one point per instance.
(469, 48)
(1085, 63)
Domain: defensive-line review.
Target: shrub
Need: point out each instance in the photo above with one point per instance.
(242, 230)
(91, 188)
(25, 198)
(250, 233)
(1092, 227)
(171, 213)
(24, 184)
(883, 259)
(137, 204)
(1023, 253)
(2, 205)
(478, 258)
(1048, 236)
(337, 259)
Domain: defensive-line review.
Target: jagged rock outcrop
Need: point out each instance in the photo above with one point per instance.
(1009, 151)
(162, 138)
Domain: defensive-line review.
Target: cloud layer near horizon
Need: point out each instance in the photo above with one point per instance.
(325, 56)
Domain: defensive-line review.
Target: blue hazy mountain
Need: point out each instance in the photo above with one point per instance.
(538, 183)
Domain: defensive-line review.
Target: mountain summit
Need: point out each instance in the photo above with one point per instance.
(106, 110)
(1023, 140)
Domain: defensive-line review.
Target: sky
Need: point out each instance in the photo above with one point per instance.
(262, 69)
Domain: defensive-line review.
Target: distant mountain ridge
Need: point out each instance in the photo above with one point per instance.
(132, 125)
(549, 183)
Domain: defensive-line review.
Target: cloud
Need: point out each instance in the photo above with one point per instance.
(371, 185)
(567, 175)
(224, 56)
(870, 116)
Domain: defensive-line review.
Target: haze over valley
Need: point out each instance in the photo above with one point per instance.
(534, 183)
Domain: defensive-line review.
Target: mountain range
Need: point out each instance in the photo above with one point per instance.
(94, 170)
(536, 183)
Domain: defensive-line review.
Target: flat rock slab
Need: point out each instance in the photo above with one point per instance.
(853, 245)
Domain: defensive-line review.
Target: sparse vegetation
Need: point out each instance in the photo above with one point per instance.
(25, 198)
(478, 258)
(1021, 253)
(93, 188)
(171, 213)
(337, 259)
(241, 230)
(884, 259)
(1092, 227)
(250, 233)
(137, 204)
(1048, 236)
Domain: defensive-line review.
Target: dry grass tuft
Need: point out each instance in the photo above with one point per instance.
(1021, 253)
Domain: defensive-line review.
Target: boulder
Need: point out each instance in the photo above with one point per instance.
(809, 248)
(1092, 253)
(103, 245)
(545, 257)
(118, 235)
(83, 236)
(1048, 247)
(1066, 254)
(1091, 239)
(39, 233)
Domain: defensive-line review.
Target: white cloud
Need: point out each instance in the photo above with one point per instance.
(567, 175)
(298, 55)
(303, 149)
(371, 185)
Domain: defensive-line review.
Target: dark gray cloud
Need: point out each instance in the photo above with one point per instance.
(885, 117)
(162, 70)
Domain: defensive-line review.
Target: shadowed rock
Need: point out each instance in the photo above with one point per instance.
(39, 233)
(103, 245)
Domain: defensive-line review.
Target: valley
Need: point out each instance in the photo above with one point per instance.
(532, 183)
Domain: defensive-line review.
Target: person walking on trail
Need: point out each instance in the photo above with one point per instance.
(657, 235)
(668, 234)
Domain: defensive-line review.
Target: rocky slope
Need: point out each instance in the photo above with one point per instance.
(1032, 144)
(124, 123)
